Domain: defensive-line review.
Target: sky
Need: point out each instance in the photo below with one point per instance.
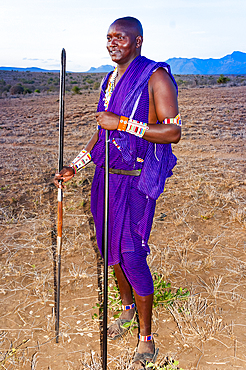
(33, 32)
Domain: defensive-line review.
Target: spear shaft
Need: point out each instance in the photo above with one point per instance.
(105, 292)
(60, 166)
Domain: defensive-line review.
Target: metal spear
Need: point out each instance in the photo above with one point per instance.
(105, 292)
(60, 166)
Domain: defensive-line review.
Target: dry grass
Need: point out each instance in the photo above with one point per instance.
(197, 240)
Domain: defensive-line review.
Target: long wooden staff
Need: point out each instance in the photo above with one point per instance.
(60, 166)
(105, 291)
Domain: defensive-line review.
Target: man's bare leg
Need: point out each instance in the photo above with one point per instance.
(144, 306)
(126, 297)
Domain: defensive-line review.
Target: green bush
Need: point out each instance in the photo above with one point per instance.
(222, 79)
(51, 89)
(27, 90)
(96, 85)
(25, 81)
(37, 91)
(7, 88)
(76, 90)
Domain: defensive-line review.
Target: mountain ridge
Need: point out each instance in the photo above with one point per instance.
(234, 63)
(102, 68)
(31, 69)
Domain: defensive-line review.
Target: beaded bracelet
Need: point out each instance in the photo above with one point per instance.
(138, 128)
(132, 126)
(122, 123)
(80, 161)
(175, 121)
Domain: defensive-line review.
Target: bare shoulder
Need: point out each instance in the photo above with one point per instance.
(162, 96)
(161, 80)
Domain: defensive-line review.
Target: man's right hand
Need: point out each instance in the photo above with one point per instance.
(64, 175)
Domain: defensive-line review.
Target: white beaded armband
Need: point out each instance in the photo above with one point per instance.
(175, 121)
(81, 161)
(132, 126)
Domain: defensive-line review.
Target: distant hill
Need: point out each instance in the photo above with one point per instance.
(31, 69)
(104, 68)
(234, 63)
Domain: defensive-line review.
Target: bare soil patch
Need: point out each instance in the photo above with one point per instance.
(197, 240)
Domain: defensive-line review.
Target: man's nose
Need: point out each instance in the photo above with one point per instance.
(113, 41)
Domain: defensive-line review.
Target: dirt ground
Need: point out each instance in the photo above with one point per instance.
(197, 240)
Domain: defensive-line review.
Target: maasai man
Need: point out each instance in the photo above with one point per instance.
(138, 105)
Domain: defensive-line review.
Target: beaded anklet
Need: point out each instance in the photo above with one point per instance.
(132, 126)
(128, 307)
(145, 338)
(80, 161)
(175, 121)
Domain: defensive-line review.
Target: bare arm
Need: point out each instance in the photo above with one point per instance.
(163, 104)
(67, 173)
(90, 145)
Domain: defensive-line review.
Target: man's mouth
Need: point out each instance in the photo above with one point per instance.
(112, 52)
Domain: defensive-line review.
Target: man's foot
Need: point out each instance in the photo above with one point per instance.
(116, 330)
(146, 352)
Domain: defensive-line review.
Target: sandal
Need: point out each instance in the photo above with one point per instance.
(120, 322)
(120, 328)
(145, 357)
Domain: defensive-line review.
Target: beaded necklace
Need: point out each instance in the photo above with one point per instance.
(110, 88)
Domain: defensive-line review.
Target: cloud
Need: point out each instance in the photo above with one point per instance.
(50, 61)
(198, 32)
(32, 59)
(172, 24)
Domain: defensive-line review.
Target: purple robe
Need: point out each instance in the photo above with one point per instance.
(125, 150)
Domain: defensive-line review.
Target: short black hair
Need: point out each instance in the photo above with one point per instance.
(132, 22)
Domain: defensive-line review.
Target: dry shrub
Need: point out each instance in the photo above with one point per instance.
(195, 319)
(17, 89)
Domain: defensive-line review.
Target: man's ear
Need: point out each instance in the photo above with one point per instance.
(139, 41)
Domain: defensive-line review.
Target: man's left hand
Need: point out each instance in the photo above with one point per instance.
(108, 120)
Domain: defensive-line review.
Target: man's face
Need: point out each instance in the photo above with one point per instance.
(121, 43)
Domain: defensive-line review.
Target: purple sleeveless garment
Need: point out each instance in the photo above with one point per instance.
(127, 227)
